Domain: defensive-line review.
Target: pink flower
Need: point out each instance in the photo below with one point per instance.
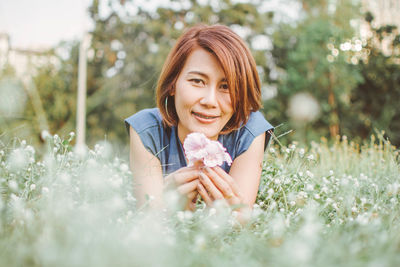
(199, 148)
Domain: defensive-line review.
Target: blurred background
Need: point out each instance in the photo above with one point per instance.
(328, 67)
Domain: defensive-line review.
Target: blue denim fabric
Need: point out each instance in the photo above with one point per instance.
(165, 145)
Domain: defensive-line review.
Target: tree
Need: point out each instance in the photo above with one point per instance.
(309, 56)
(375, 101)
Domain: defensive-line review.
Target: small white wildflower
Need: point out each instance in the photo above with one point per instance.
(30, 149)
(188, 215)
(124, 167)
(354, 209)
(200, 241)
(309, 174)
(72, 134)
(300, 174)
(32, 187)
(317, 196)
(330, 172)
(272, 150)
(271, 191)
(363, 177)
(1, 153)
(45, 134)
(13, 185)
(287, 150)
(23, 143)
(277, 181)
(212, 212)
(55, 150)
(292, 146)
(45, 190)
(180, 215)
(292, 203)
(326, 181)
(310, 157)
(309, 187)
(302, 152)
(362, 219)
(272, 205)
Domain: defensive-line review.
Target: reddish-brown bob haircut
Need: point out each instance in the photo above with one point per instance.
(236, 61)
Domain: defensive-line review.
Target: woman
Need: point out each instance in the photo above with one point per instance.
(208, 84)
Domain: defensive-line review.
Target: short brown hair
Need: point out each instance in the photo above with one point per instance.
(236, 61)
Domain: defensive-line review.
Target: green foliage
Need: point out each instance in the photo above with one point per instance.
(375, 101)
(328, 205)
(308, 54)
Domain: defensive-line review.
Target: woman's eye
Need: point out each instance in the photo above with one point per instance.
(197, 81)
(224, 87)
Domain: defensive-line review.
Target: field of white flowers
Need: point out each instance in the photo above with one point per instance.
(325, 205)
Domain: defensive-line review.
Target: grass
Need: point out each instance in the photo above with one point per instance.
(327, 204)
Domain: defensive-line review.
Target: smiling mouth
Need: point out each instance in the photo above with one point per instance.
(204, 116)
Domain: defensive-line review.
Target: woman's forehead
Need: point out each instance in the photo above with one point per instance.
(203, 63)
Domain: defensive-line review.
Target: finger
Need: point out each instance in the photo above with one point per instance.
(188, 187)
(221, 183)
(191, 200)
(203, 193)
(181, 176)
(186, 176)
(232, 183)
(211, 188)
(191, 195)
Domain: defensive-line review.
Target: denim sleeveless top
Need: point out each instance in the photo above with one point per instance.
(164, 143)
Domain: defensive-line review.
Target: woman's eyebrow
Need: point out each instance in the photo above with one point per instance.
(198, 73)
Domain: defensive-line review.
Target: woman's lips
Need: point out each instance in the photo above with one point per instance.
(207, 118)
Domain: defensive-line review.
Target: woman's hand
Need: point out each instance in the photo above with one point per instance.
(216, 184)
(184, 181)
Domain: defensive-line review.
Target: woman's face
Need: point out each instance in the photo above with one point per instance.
(202, 99)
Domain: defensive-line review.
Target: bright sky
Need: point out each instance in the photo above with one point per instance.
(35, 23)
(44, 23)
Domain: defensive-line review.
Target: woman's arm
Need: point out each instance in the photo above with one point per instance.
(146, 170)
(246, 170)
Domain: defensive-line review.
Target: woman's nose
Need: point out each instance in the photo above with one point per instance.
(210, 97)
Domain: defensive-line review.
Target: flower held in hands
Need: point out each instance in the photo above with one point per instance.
(199, 148)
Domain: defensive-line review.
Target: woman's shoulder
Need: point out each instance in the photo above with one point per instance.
(238, 141)
(144, 120)
(257, 124)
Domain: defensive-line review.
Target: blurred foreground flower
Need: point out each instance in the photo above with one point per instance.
(303, 107)
(12, 98)
(199, 148)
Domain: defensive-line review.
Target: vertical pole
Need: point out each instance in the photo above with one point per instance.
(81, 102)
